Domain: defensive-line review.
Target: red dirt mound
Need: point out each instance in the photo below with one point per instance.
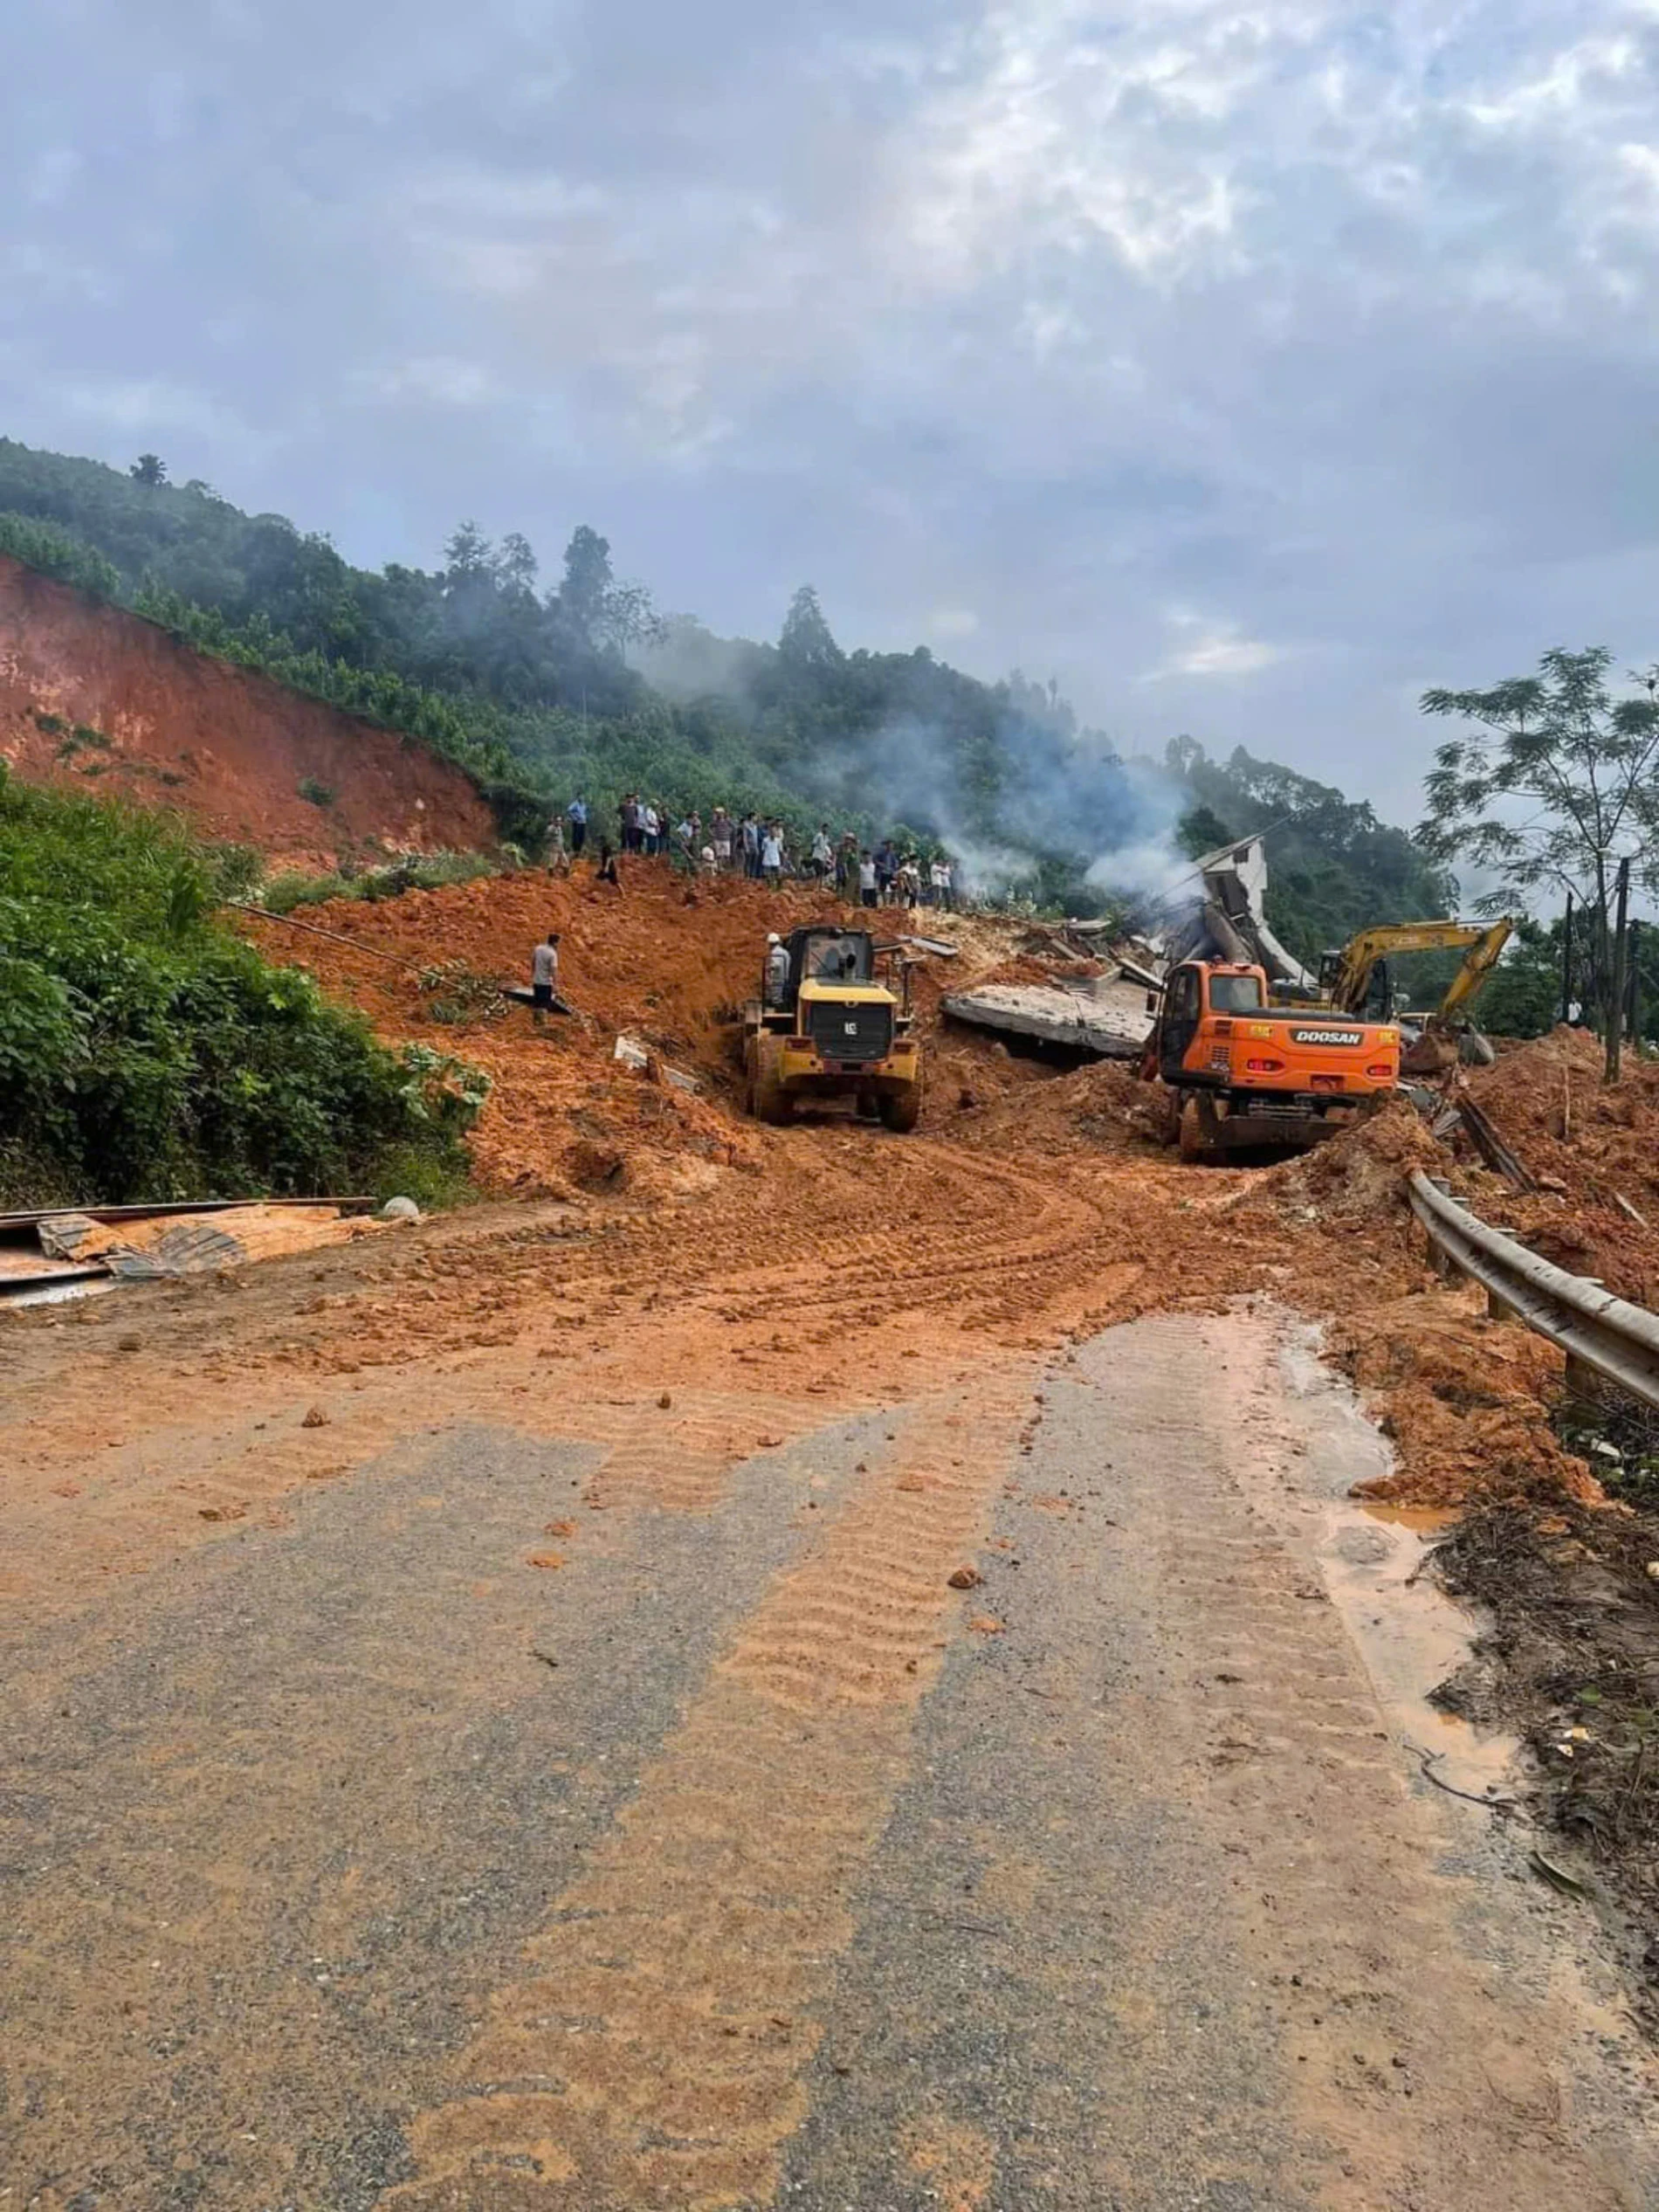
(1595, 1150)
(94, 699)
(666, 961)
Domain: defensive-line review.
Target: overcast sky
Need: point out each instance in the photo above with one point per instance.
(1248, 367)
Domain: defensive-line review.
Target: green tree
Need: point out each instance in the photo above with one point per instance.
(588, 583)
(1200, 830)
(806, 640)
(150, 469)
(1553, 783)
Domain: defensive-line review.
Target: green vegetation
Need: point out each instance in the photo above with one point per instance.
(315, 793)
(424, 871)
(542, 692)
(1551, 783)
(59, 552)
(146, 1052)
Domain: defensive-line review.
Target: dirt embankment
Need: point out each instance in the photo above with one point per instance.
(95, 699)
(1466, 1400)
(1594, 1151)
(662, 961)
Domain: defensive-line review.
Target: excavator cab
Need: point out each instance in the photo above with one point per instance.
(1379, 1000)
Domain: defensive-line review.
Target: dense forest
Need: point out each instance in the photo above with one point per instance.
(543, 690)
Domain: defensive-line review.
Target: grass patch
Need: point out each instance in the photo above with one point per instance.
(424, 872)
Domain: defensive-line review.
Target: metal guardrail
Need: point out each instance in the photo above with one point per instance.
(1619, 1341)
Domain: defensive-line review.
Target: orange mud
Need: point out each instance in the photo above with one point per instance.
(227, 748)
(1589, 1145)
(663, 1267)
(663, 961)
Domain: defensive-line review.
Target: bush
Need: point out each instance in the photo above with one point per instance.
(147, 1053)
(412, 871)
(315, 793)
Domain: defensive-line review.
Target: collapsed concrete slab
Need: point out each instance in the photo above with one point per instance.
(1107, 1020)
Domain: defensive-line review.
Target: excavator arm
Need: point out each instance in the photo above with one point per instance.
(1478, 962)
(1351, 971)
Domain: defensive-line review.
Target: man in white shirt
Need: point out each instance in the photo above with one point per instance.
(868, 893)
(771, 853)
(544, 977)
(777, 970)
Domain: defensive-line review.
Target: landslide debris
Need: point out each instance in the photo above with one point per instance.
(97, 701)
(1594, 1148)
(1466, 1401)
(666, 962)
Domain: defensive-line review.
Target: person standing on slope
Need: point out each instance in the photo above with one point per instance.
(544, 977)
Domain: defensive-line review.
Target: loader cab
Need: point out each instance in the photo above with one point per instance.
(828, 957)
(822, 961)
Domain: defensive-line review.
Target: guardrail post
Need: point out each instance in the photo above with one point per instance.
(1582, 1380)
(1441, 1262)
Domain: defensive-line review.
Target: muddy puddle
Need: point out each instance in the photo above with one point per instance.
(1373, 1554)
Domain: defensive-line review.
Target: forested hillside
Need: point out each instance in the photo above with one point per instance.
(545, 690)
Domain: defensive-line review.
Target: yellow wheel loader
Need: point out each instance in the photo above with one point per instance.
(826, 1026)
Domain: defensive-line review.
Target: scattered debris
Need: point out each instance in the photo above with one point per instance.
(137, 1244)
(1557, 1877)
(1491, 1147)
(964, 1578)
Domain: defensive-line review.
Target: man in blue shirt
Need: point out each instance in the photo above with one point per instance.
(577, 811)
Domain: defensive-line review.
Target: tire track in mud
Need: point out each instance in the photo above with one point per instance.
(1005, 1264)
(655, 2055)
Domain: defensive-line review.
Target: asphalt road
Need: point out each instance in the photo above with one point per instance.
(731, 1857)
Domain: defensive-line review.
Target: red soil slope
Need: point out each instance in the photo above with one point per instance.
(227, 748)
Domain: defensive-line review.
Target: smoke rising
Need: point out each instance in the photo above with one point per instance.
(1002, 775)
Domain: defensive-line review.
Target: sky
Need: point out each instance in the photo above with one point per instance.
(1247, 368)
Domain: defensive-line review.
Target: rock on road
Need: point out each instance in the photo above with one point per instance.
(578, 1813)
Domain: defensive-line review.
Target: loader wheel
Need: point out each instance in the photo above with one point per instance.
(768, 1100)
(901, 1110)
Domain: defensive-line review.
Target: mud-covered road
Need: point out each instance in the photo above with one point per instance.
(489, 1724)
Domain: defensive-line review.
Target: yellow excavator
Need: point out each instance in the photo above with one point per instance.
(1352, 979)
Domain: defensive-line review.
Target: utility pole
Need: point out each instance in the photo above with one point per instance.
(1567, 963)
(1633, 1025)
(1615, 993)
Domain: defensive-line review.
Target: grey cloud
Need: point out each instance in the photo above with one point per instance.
(1291, 357)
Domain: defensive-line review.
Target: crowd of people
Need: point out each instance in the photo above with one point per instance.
(761, 849)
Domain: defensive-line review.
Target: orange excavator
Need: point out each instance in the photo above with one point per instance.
(1241, 1074)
